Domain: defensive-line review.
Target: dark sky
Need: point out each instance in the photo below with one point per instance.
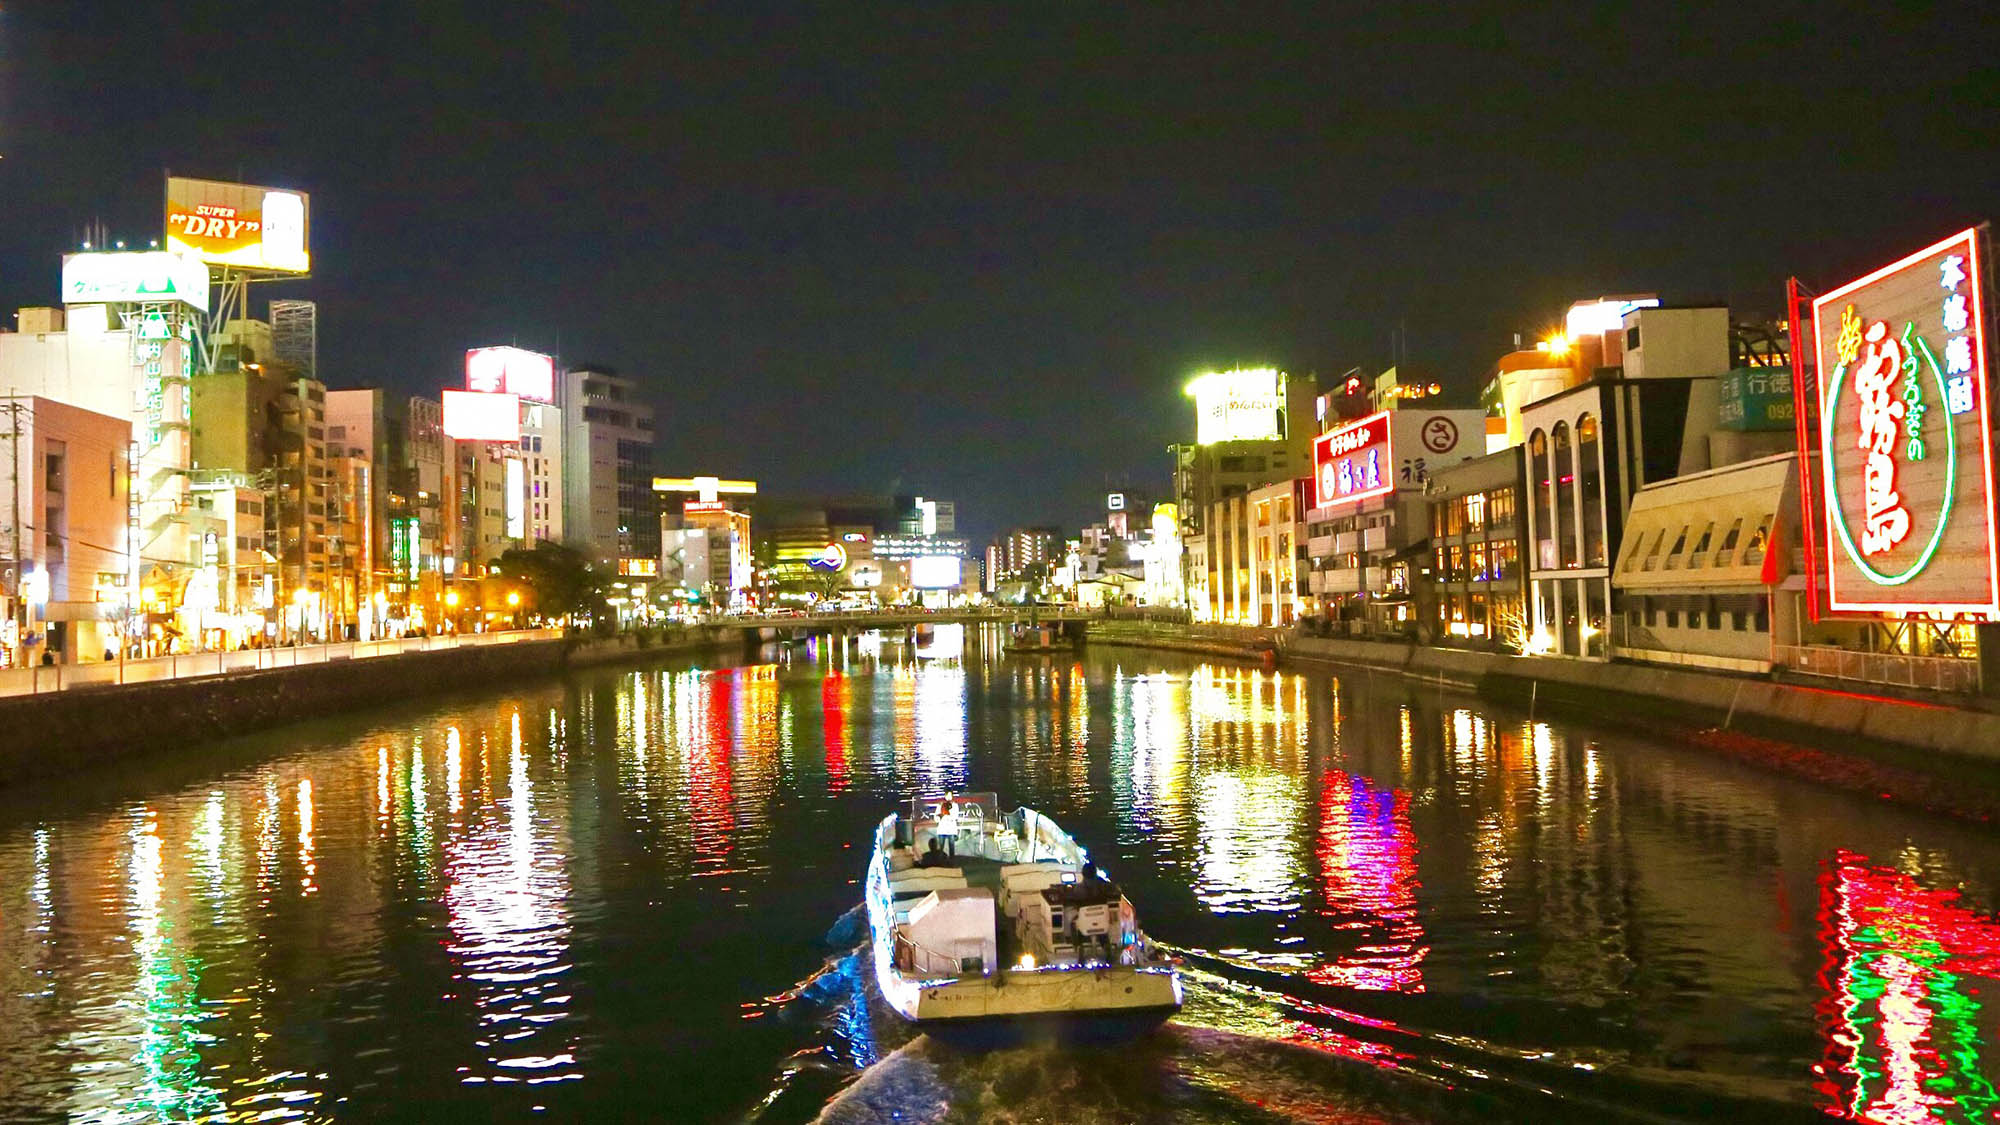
(975, 251)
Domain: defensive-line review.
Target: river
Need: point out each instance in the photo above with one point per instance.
(631, 894)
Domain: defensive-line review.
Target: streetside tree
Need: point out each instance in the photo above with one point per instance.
(567, 584)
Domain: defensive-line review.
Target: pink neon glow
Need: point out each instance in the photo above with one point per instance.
(1906, 970)
(1367, 856)
(1878, 432)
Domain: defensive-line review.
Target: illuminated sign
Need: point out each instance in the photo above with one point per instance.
(703, 507)
(1238, 405)
(1906, 460)
(936, 572)
(1606, 314)
(517, 498)
(1353, 462)
(639, 568)
(1755, 398)
(130, 277)
(237, 225)
(831, 557)
(1115, 502)
(478, 416)
(514, 371)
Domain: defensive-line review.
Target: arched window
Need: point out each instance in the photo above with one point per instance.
(1565, 489)
(1539, 481)
(1589, 490)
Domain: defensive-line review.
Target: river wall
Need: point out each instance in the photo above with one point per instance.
(1621, 693)
(60, 732)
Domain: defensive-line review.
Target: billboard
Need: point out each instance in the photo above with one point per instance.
(1241, 405)
(514, 371)
(132, 276)
(1755, 399)
(238, 225)
(1906, 470)
(1354, 462)
(936, 572)
(517, 498)
(477, 416)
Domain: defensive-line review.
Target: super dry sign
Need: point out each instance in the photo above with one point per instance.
(238, 225)
(1353, 462)
(1905, 442)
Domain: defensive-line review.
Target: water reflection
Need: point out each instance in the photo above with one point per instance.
(586, 896)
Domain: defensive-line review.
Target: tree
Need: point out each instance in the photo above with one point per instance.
(565, 580)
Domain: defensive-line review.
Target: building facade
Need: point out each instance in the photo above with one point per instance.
(608, 501)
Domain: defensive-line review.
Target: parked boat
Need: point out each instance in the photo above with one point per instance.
(1025, 640)
(1015, 932)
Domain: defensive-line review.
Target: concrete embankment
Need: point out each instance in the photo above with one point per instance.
(1621, 692)
(60, 732)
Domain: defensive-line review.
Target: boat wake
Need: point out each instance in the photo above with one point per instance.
(1251, 1045)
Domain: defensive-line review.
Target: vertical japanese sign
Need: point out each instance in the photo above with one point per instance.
(1905, 437)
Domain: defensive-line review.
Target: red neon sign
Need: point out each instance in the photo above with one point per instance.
(1906, 474)
(1353, 462)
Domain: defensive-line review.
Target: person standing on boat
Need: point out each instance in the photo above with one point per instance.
(947, 826)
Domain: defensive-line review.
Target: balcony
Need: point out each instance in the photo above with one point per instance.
(1319, 546)
(1344, 543)
(1375, 539)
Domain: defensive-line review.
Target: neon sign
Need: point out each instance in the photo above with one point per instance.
(831, 557)
(1353, 462)
(1903, 429)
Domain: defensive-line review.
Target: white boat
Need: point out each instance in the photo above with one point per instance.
(1017, 931)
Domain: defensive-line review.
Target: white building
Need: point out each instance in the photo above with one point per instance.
(68, 478)
(607, 456)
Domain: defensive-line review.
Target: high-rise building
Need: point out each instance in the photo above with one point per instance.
(609, 506)
(131, 357)
(371, 426)
(295, 332)
(542, 460)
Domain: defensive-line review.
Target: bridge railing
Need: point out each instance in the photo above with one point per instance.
(40, 678)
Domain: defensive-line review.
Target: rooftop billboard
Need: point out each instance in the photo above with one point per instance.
(481, 416)
(514, 371)
(239, 225)
(132, 277)
(1245, 405)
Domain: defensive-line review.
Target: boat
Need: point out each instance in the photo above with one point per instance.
(1028, 640)
(1016, 934)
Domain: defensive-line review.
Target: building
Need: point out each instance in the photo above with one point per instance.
(256, 420)
(1591, 447)
(1700, 567)
(1253, 552)
(608, 502)
(130, 356)
(236, 545)
(1027, 554)
(542, 462)
(1474, 589)
(705, 540)
(368, 443)
(1370, 524)
(1253, 427)
(66, 522)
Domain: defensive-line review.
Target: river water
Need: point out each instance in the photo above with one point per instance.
(631, 895)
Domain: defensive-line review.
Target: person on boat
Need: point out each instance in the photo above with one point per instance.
(947, 827)
(935, 857)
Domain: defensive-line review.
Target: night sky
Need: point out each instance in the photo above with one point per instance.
(974, 252)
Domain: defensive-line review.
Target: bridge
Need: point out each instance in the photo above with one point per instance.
(898, 619)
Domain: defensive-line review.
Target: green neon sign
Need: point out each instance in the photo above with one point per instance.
(1839, 519)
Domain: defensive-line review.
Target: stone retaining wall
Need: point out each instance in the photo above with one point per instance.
(1621, 692)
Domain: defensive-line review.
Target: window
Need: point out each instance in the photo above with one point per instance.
(1673, 613)
(1631, 337)
(1567, 554)
(1475, 561)
(1699, 557)
(1727, 554)
(1674, 556)
(1500, 508)
(1538, 480)
(1588, 489)
(1652, 610)
(1753, 551)
(1475, 511)
(1762, 614)
(1714, 614)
